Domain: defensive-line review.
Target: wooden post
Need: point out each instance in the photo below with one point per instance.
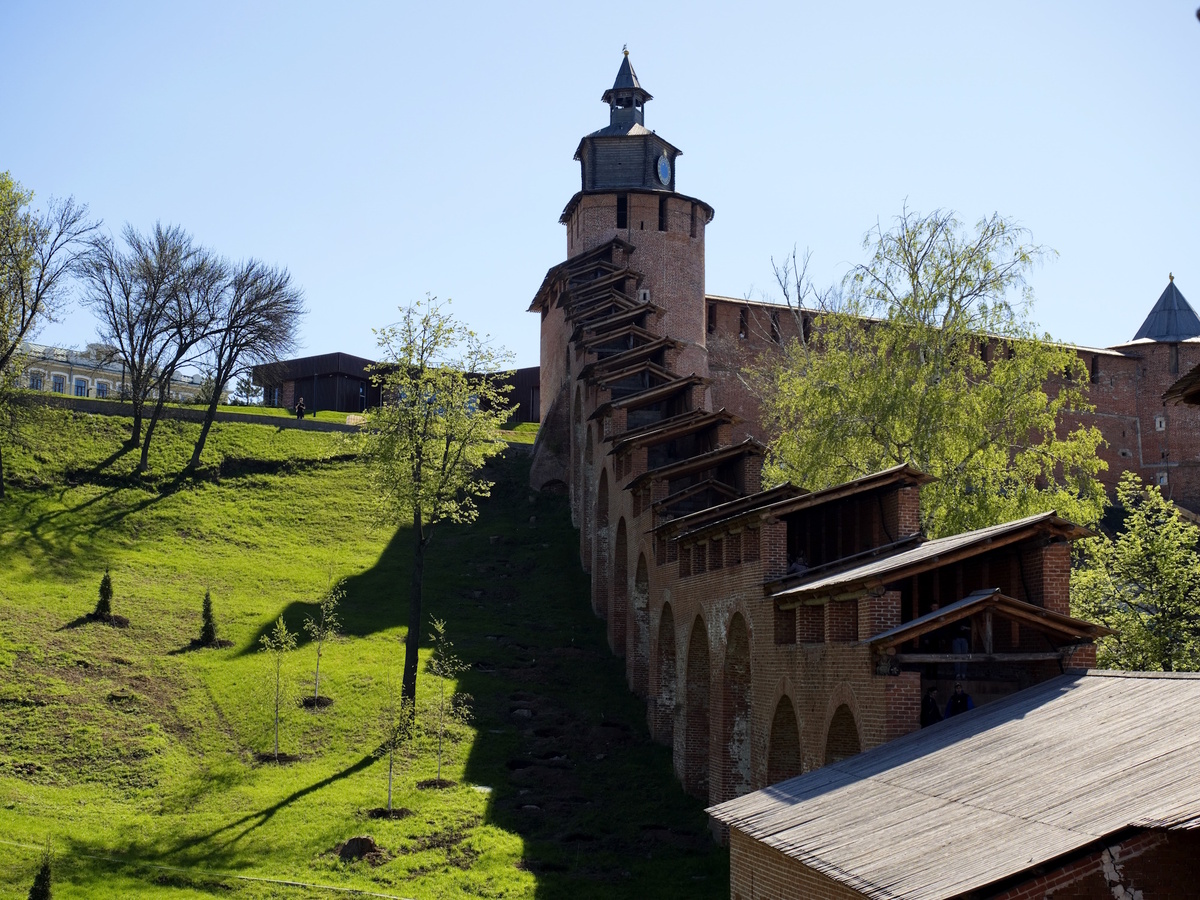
(987, 631)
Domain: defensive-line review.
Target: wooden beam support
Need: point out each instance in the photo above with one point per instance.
(977, 657)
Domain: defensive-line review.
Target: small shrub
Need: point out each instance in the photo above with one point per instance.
(104, 606)
(41, 881)
(208, 627)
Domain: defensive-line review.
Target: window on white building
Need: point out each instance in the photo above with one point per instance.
(35, 381)
(102, 389)
(81, 389)
(59, 384)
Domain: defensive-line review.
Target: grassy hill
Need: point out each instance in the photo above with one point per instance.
(134, 755)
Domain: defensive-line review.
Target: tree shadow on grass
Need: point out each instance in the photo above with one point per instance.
(44, 532)
(376, 599)
(211, 849)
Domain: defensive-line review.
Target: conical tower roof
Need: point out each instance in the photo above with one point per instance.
(626, 81)
(1171, 320)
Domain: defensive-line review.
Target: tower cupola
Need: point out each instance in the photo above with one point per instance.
(627, 98)
(625, 154)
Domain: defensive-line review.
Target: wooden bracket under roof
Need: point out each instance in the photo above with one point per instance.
(859, 579)
(986, 603)
(627, 315)
(651, 395)
(699, 463)
(560, 272)
(601, 367)
(672, 428)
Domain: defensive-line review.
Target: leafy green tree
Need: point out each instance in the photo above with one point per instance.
(38, 251)
(443, 405)
(246, 391)
(103, 609)
(206, 392)
(400, 727)
(208, 623)
(446, 666)
(279, 642)
(927, 356)
(1144, 583)
(324, 626)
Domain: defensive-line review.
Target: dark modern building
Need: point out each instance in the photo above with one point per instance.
(330, 381)
(342, 383)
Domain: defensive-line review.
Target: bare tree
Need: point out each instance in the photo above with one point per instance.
(190, 317)
(255, 321)
(154, 300)
(38, 250)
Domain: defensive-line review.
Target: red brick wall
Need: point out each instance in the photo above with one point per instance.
(1159, 865)
(672, 262)
(759, 872)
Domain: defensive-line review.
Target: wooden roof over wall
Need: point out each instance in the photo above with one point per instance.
(928, 555)
(992, 793)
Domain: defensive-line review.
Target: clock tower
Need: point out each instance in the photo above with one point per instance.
(628, 192)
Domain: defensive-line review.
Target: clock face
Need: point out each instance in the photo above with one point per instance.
(664, 169)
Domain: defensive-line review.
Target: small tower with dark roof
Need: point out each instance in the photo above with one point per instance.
(1171, 320)
(625, 153)
(628, 191)
(626, 98)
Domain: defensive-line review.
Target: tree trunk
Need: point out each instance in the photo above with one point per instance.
(441, 724)
(1, 473)
(317, 676)
(135, 435)
(408, 688)
(210, 415)
(391, 762)
(144, 464)
(278, 665)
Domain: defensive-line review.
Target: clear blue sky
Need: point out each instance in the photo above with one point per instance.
(384, 150)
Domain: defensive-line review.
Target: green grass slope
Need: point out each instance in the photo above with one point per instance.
(134, 756)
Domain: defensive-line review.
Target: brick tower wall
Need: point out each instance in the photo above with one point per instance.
(672, 262)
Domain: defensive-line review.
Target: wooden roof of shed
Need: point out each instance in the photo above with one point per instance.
(992, 793)
(990, 598)
(700, 462)
(559, 271)
(619, 361)
(928, 555)
(783, 504)
(649, 396)
(669, 429)
(1186, 389)
(726, 512)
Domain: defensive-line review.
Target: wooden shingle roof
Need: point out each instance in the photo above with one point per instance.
(994, 792)
(927, 555)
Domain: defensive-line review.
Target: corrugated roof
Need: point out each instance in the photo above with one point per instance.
(1171, 320)
(891, 567)
(994, 792)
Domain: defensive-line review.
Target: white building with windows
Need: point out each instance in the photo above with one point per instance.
(96, 372)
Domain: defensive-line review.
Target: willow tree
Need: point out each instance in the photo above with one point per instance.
(443, 403)
(929, 357)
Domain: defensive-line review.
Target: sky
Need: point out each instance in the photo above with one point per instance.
(386, 151)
